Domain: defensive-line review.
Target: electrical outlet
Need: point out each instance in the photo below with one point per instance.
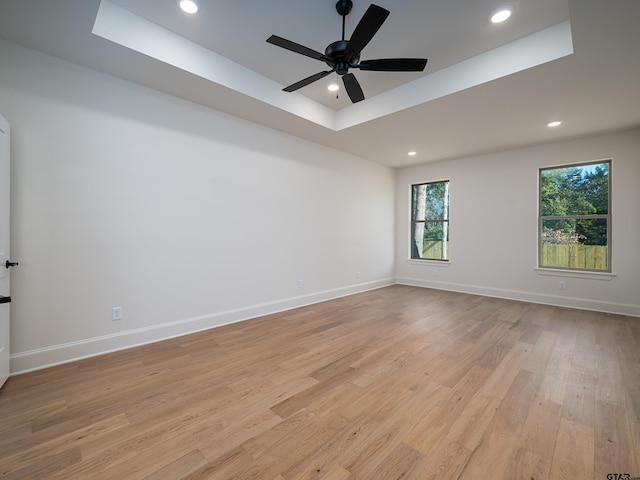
(116, 313)
(357, 274)
(299, 283)
(562, 285)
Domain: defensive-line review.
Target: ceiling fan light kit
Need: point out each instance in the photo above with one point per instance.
(344, 54)
(189, 6)
(502, 13)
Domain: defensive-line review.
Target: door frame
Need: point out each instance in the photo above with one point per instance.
(5, 287)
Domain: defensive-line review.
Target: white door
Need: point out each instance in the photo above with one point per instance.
(4, 250)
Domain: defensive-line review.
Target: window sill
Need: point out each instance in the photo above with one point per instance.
(556, 272)
(429, 263)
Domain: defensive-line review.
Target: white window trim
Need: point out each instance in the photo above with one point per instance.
(429, 262)
(586, 274)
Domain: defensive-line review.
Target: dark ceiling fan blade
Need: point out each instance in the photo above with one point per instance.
(306, 81)
(394, 65)
(352, 87)
(369, 24)
(297, 48)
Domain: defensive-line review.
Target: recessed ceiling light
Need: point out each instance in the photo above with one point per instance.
(333, 87)
(555, 123)
(500, 14)
(412, 153)
(189, 6)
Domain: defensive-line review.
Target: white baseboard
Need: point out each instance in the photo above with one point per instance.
(545, 299)
(23, 362)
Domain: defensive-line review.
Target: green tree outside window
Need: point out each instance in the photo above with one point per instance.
(575, 217)
(430, 221)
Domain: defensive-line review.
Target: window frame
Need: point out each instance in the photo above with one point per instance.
(607, 217)
(413, 221)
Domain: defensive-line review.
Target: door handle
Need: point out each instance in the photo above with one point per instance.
(9, 264)
(5, 299)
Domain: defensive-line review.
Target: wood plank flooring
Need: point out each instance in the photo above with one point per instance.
(396, 383)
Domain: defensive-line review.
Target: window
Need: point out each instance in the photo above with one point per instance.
(575, 217)
(430, 221)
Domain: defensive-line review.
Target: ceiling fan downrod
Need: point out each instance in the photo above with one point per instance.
(344, 7)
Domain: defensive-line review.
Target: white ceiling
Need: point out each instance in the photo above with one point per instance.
(486, 87)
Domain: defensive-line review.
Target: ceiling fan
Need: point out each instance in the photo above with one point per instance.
(345, 54)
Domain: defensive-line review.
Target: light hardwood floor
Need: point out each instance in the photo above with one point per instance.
(399, 382)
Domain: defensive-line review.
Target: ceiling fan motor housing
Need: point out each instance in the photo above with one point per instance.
(335, 51)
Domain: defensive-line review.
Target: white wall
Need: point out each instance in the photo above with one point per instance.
(188, 218)
(493, 232)
(185, 217)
